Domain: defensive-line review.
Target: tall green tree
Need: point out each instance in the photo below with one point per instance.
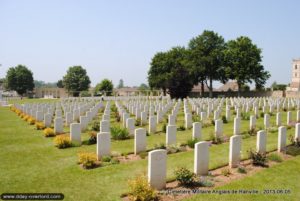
(206, 56)
(60, 84)
(159, 72)
(20, 79)
(243, 63)
(121, 83)
(76, 80)
(170, 71)
(105, 86)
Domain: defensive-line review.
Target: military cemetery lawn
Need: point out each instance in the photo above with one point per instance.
(30, 163)
(280, 182)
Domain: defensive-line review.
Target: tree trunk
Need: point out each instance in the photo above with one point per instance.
(164, 91)
(239, 89)
(202, 88)
(210, 88)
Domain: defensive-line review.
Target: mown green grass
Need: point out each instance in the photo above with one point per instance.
(31, 163)
(280, 182)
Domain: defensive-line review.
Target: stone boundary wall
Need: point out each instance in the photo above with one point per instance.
(217, 94)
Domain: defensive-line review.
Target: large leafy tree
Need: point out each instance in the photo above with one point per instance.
(243, 61)
(206, 57)
(121, 83)
(60, 84)
(105, 86)
(19, 79)
(159, 72)
(171, 72)
(76, 80)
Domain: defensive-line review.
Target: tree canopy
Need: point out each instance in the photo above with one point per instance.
(19, 79)
(76, 80)
(206, 56)
(60, 84)
(121, 83)
(171, 72)
(243, 62)
(105, 86)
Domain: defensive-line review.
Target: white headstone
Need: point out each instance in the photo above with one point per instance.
(75, 132)
(236, 126)
(235, 150)
(171, 120)
(171, 135)
(281, 138)
(289, 117)
(278, 119)
(197, 129)
(152, 124)
(297, 131)
(39, 116)
(69, 118)
(139, 140)
(201, 158)
(188, 120)
(83, 122)
(157, 168)
(104, 126)
(252, 122)
(261, 142)
(218, 128)
(267, 121)
(130, 125)
(103, 145)
(47, 120)
(143, 118)
(58, 125)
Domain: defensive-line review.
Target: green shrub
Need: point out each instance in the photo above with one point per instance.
(196, 118)
(173, 149)
(164, 128)
(226, 172)
(191, 143)
(160, 146)
(242, 170)
(258, 159)
(184, 176)
(262, 115)
(93, 137)
(181, 128)
(137, 122)
(213, 122)
(293, 150)
(114, 161)
(140, 190)
(214, 139)
(106, 159)
(274, 157)
(206, 183)
(143, 154)
(119, 133)
(96, 126)
(245, 136)
(272, 129)
(245, 115)
(225, 121)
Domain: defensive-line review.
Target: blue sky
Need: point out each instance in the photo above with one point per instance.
(117, 38)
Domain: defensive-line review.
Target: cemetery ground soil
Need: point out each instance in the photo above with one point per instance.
(30, 162)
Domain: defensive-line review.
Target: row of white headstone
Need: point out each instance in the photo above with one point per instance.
(157, 159)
